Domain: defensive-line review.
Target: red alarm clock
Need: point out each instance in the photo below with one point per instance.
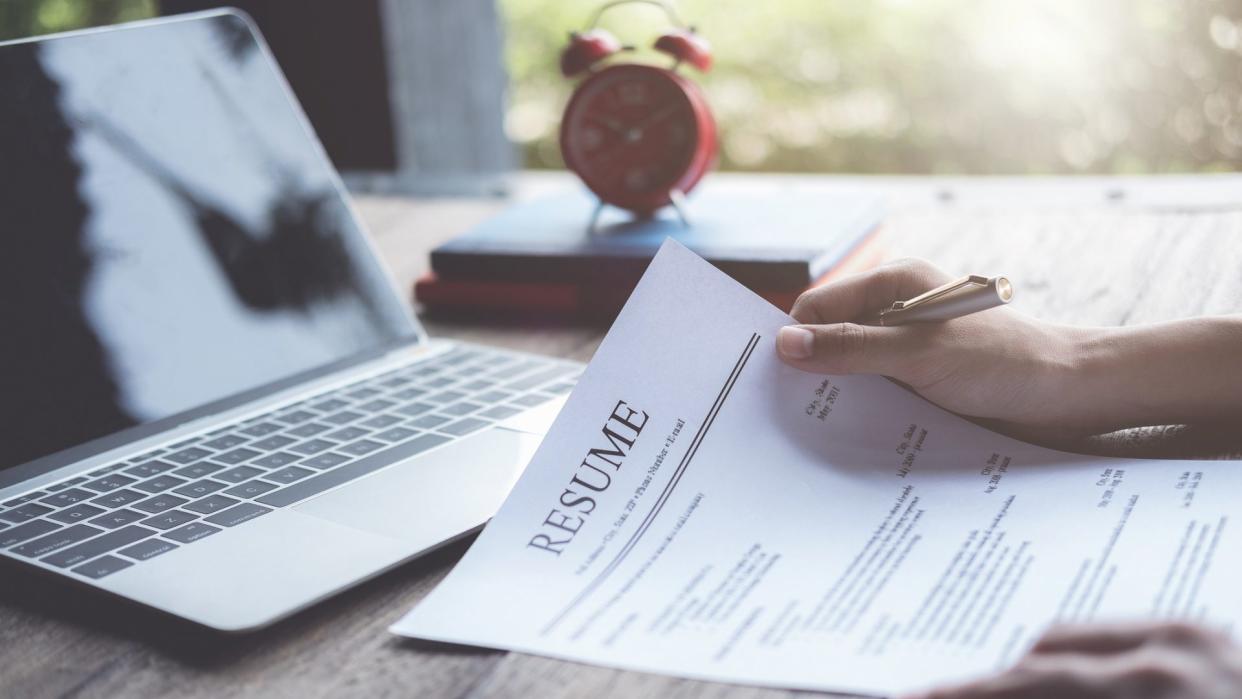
(639, 136)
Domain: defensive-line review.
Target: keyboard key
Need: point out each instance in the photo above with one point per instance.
(97, 546)
(493, 396)
(106, 469)
(118, 518)
(117, 498)
(439, 382)
(460, 409)
(159, 503)
(415, 409)
(261, 429)
(58, 486)
(191, 532)
(409, 393)
(394, 382)
(236, 515)
(362, 393)
(102, 567)
(310, 429)
(198, 489)
(360, 447)
(458, 356)
(25, 532)
(559, 388)
(532, 399)
(77, 513)
(215, 503)
(239, 474)
(25, 512)
(159, 483)
(288, 475)
(538, 378)
(428, 422)
(343, 417)
(56, 540)
(396, 434)
(250, 489)
(343, 474)
(280, 458)
(349, 434)
(169, 519)
(329, 405)
(476, 385)
(67, 497)
(445, 397)
(76, 481)
(313, 446)
(322, 461)
(236, 456)
(198, 470)
(464, 427)
(150, 468)
(108, 483)
(514, 370)
(185, 456)
(25, 498)
(376, 406)
(146, 550)
(378, 422)
(276, 441)
(295, 417)
(500, 412)
(223, 442)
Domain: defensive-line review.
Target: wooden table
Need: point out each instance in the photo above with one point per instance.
(1092, 252)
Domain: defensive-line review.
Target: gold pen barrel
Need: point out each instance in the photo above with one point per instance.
(972, 298)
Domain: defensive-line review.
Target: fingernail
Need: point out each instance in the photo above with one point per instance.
(794, 342)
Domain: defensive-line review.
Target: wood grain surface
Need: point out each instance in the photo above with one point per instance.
(1074, 261)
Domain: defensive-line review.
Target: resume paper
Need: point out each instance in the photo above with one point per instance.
(701, 509)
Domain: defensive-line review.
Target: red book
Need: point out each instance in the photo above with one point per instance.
(479, 297)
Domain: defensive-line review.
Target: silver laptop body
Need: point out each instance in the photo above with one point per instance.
(213, 401)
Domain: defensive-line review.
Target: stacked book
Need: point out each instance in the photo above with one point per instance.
(544, 257)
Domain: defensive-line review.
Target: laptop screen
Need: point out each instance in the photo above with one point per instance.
(171, 234)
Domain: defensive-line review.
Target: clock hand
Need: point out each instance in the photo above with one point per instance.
(653, 119)
(612, 125)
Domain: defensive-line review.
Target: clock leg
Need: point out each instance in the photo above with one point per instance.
(591, 225)
(678, 200)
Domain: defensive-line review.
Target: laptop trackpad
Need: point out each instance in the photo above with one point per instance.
(434, 496)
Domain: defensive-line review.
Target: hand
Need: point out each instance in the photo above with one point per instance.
(995, 364)
(1135, 661)
(1029, 378)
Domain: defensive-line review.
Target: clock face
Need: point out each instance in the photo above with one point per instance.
(633, 133)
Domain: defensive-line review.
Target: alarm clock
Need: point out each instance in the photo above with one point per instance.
(639, 136)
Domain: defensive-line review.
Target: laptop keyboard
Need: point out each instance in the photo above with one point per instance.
(143, 507)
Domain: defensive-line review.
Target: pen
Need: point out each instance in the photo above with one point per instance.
(953, 300)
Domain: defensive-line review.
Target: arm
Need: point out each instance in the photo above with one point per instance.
(1181, 372)
(1034, 376)
(1140, 660)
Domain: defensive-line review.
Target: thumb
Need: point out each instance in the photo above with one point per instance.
(846, 348)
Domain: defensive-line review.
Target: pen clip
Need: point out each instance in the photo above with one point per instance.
(940, 291)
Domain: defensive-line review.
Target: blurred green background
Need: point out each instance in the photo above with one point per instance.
(895, 86)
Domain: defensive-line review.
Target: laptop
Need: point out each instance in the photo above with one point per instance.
(213, 400)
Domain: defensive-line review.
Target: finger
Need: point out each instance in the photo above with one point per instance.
(1121, 636)
(855, 296)
(1033, 678)
(847, 348)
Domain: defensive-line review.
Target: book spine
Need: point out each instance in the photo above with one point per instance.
(450, 263)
